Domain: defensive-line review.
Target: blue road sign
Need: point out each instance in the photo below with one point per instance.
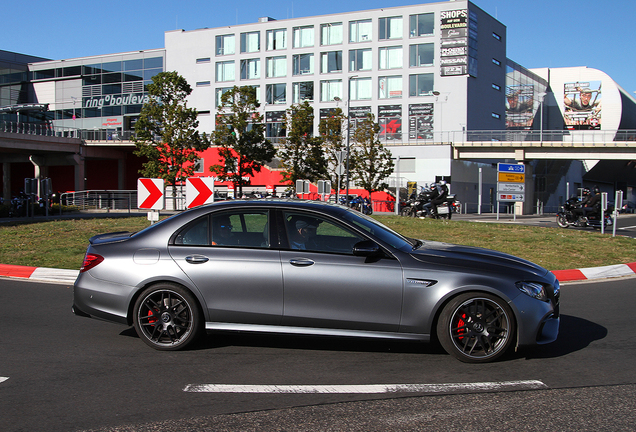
(513, 168)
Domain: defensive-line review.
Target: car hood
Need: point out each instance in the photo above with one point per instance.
(468, 257)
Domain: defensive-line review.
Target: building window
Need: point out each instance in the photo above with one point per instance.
(421, 84)
(360, 88)
(330, 89)
(203, 83)
(276, 39)
(203, 60)
(360, 60)
(275, 130)
(250, 69)
(360, 31)
(421, 55)
(303, 36)
(390, 28)
(331, 34)
(220, 92)
(225, 45)
(422, 25)
(496, 87)
(224, 71)
(391, 58)
(199, 164)
(331, 62)
(303, 64)
(276, 66)
(496, 36)
(389, 87)
(250, 42)
(276, 93)
(496, 62)
(302, 91)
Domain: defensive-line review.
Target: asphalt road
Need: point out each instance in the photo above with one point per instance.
(59, 372)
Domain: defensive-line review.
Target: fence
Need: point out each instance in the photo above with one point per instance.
(100, 200)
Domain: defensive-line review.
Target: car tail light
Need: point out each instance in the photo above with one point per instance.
(91, 260)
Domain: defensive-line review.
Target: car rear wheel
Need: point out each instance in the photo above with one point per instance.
(476, 327)
(167, 317)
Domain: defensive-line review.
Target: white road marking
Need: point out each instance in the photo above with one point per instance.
(3, 379)
(368, 389)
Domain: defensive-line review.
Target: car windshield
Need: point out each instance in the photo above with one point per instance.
(380, 231)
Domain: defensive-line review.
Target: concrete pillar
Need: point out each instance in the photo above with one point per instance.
(121, 173)
(6, 182)
(80, 173)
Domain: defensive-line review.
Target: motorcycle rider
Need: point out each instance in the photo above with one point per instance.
(439, 196)
(592, 202)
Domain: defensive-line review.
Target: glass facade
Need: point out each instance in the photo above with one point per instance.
(524, 95)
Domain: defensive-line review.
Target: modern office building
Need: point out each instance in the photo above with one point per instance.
(432, 75)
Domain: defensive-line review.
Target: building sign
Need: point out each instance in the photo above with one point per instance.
(454, 42)
(390, 121)
(582, 102)
(421, 121)
(116, 100)
(326, 113)
(519, 106)
(357, 115)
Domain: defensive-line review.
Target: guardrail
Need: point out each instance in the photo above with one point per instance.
(100, 200)
(41, 129)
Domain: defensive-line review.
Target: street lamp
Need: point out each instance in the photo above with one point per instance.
(349, 130)
(541, 96)
(441, 112)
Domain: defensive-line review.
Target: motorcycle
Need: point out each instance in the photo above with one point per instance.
(567, 216)
(363, 205)
(421, 207)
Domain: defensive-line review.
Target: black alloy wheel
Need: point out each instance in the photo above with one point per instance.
(167, 317)
(476, 327)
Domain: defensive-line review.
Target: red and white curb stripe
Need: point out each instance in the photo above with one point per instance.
(367, 389)
(45, 274)
(604, 272)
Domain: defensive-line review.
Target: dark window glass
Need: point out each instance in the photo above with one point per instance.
(111, 78)
(111, 89)
(109, 111)
(111, 67)
(44, 74)
(92, 69)
(133, 64)
(155, 62)
(92, 112)
(132, 109)
(133, 76)
(92, 80)
(72, 71)
(149, 73)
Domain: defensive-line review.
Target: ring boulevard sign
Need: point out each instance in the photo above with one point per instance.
(511, 182)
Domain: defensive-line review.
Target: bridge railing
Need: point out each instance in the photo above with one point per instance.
(42, 129)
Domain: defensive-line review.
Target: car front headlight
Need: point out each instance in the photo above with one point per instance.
(533, 289)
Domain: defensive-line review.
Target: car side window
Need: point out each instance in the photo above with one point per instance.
(195, 233)
(242, 229)
(317, 234)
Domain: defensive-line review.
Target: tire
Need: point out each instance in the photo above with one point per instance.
(167, 317)
(562, 221)
(476, 327)
(406, 211)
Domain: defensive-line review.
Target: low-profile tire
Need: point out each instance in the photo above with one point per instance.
(562, 221)
(476, 327)
(167, 317)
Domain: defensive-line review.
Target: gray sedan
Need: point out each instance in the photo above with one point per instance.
(311, 268)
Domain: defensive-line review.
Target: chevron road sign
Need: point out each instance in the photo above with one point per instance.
(150, 194)
(199, 191)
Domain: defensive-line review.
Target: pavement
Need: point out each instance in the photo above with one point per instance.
(65, 276)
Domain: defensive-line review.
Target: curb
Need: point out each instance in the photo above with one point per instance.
(45, 274)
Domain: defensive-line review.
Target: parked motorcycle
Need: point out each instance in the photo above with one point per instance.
(569, 216)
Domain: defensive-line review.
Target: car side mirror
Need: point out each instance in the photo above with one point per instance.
(367, 248)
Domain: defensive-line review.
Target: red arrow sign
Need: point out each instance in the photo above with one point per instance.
(199, 191)
(150, 193)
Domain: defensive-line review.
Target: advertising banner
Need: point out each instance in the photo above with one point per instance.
(454, 42)
(582, 105)
(421, 121)
(519, 107)
(390, 121)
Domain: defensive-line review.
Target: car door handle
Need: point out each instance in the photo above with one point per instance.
(301, 262)
(197, 259)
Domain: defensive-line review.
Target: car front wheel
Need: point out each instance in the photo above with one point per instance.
(476, 327)
(166, 317)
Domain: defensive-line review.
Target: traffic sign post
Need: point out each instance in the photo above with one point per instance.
(199, 191)
(150, 195)
(511, 186)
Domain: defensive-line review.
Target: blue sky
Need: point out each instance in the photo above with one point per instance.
(541, 33)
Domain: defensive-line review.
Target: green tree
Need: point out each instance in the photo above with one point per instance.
(372, 161)
(302, 155)
(166, 132)
(240, 136)
(330, 129)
